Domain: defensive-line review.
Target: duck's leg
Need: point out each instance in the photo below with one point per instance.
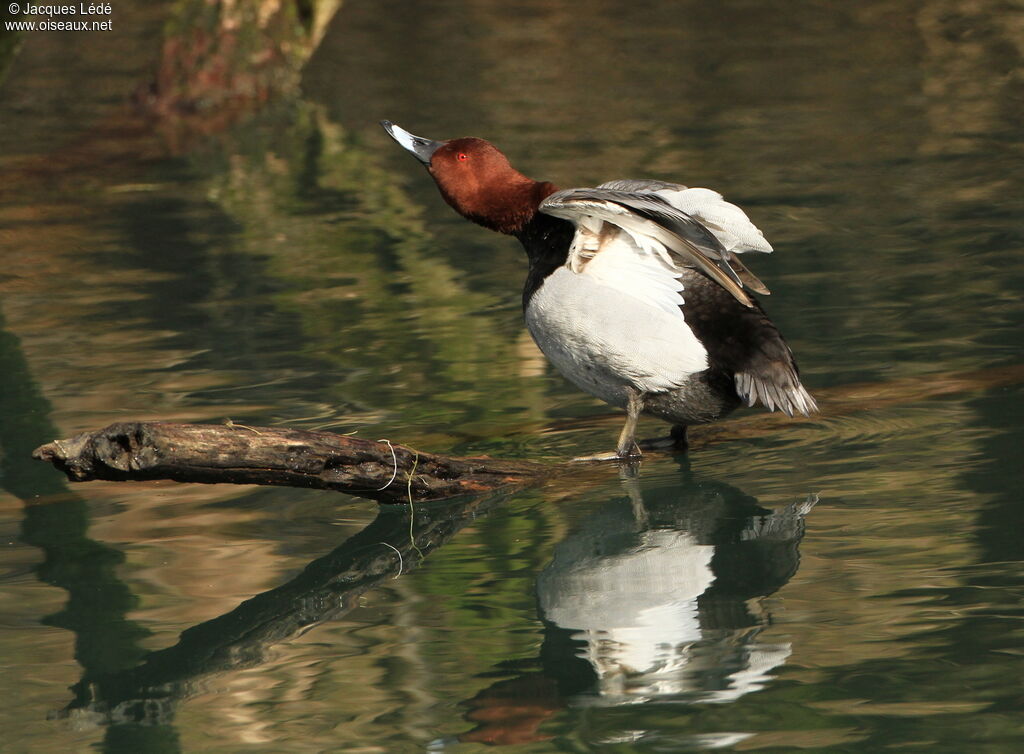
(676, 441)
(627, 446)
(626, 449)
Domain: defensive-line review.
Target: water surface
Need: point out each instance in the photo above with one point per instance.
(851, 582)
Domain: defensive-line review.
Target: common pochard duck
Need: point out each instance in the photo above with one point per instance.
(634, 290)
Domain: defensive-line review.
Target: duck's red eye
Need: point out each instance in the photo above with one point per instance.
(462, 157)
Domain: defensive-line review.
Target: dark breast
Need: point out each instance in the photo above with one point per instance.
(546, 240)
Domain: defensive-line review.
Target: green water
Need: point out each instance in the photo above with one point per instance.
(848, 583)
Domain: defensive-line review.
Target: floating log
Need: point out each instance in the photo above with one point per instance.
(391, 473)
(238, 454)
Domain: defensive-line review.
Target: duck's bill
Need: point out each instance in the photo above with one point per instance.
(420, 148)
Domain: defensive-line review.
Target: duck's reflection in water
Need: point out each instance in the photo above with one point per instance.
(654, 597)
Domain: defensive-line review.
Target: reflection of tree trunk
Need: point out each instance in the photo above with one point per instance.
(214, 64)
(57, 522)
(220, 61)
(238, 454)
(325, 590)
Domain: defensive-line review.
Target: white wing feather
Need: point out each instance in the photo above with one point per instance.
(639, 270)
(729, 224)
(664, 232)
(630, 262)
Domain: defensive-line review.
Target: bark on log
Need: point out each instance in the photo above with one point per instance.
(238, 454)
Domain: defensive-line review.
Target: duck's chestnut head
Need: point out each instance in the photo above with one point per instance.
(476, 179)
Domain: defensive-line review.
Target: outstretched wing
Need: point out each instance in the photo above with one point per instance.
(727, 222)
(655, 223)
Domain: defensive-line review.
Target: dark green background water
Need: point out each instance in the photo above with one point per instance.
(297, 268)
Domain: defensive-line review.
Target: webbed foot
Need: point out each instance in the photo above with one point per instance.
(630, 456)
